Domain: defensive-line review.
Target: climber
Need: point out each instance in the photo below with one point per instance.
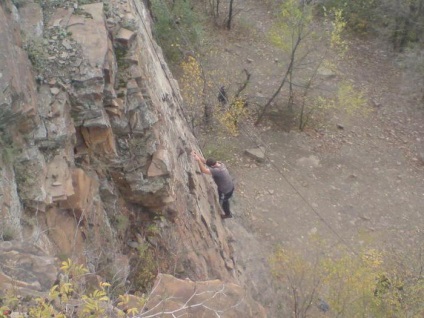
(222, 178)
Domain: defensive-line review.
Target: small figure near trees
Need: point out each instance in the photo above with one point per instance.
(222, 96)
(222, 178)
(323, 305)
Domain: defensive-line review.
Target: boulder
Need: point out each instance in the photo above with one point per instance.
(57, 126)
(207, 299)
(25, 269)
(31, 20)
(326, 72)
(256, 153)
(18, 100)
(31, 172)
(159, 165)
(125, 37)
(58, 180)
(90, 33)
(65, 232)
(99, 139)
(81, 200)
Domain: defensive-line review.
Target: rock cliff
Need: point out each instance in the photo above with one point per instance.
(95, 160)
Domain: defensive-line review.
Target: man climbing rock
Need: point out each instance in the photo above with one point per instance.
(222, 178)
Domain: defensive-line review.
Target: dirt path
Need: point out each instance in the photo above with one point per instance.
(359, 185)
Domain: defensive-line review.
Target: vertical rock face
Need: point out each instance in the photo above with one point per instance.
(101, 155)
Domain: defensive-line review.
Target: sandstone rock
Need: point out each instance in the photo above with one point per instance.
(57, 127)
(10, 207)
(82, 198)
(58, 180)
(256, 153)
(65, 233)
(31, 171)
(132, 87)
(25, 268)
(67, 44)
(91, 34)
(125, 37)
(131, 177)
(110, 70)
(18, 101)
(31, 20)
(159, 165)
(99, 139)
(60, 17)
(206, 299)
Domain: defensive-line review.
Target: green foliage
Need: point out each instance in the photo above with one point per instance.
(347, 100)
(297, 34)
(144, 268)
(338, 24)
(351, 100)
(93, 302)
(7, 233)
(231, 117)
(83, 2)
(369, 284)
(401, 22)
(20, 3)
(222, 151)
(121, 222)
(177, 27)
(192, 85)
(69, 298)
(358, 14)
(129, 24)
(292, 21)
(37, 54)
(73, 269)
(9, 153)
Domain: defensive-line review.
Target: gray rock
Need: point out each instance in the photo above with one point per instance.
(54, 90)
(67, 44)
(31, 21)
(187, 295)
(31, 171)
(326, 72)
(26, 268)
(125, 37)
(256, 153)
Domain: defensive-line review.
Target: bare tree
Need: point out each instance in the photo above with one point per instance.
(230, 14)
(299, 27)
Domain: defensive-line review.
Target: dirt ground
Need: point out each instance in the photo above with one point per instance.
(360, 184)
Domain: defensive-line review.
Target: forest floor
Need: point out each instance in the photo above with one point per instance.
(355, 181)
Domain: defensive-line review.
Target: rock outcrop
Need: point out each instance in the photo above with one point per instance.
(204, 299)
(95, 151)
(25, 268)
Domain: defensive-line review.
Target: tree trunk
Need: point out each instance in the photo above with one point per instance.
(289, 69)
(230, 15)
